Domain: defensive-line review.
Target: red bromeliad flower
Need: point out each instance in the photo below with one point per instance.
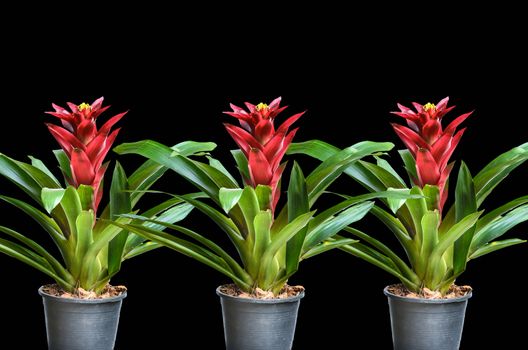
(430, 145)
(84, 144)
(262, 144)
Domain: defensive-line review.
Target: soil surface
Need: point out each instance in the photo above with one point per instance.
(453, 292)
(286, 292)
(108, 292)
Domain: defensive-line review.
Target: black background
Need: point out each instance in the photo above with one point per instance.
(177, 78)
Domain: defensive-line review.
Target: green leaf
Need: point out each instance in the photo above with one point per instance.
(242, 164)
(280, 239)
(100, 241)
(229, 197)
(410, 164)
(387, 178)
(298, 204)
(263, 193)
(430, 221)
(188, 148)
(395, 202)
(185, 167)
(225, 223)
(360, 251)
(503, 209)
(84, 224)
(11, 170)
(394, 224)
(39, 250)
(71, 204)
(499, 227)
(219, 178)
(37, 163)
(141, 248)
(20, 253)
(144, 178)
(432, 196)
(249, 206)
(120, 203)
(332, 226)
(326, 246)
(64, 163)
(328, 153)
(262, 224)
(454, 233)
(215, 163)
(213, 247)
(49, 225)
(417, 208)
(150, 171)
(497, 170)
(314, 148)
(465, 204)
(493, 246)
(398, 263)
(330, 169)
(186, 248)
(385, 165)
(176, 213)
(51, 197)
(41, 178)
(86, 196)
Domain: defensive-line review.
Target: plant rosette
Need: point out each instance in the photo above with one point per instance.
(438, 243)
(270, 239)
(91, 249)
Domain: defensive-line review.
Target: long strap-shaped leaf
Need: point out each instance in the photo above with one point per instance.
(181, 165)
(493, 246)
(45, 222)
(184, 247)
(357, 251)
(12, 171)
(332, 167)
(38, 249)
(327, 153)
(280, 239)
(446, 241)
(497, 170)
(503, 209)
(335, 224)
(330, 244)
(499, 227)
(403, 268)
(150, 171)
(20, 253)
(215, 248)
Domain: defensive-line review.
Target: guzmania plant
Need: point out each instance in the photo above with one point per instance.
(270, 240)
(91, 249)
(437, 245)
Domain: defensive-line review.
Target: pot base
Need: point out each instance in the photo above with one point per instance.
(81, 324)
(259, 324)
(426, 324)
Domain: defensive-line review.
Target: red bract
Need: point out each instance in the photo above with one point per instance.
(262, 144)
(84, 144)
(430, 144)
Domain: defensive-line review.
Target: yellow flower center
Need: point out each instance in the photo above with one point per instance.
(262, 106)
(429, 106)
(83, 106)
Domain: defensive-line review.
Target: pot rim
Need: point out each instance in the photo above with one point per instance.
(82, 301)
(426, 301)
(259, 301)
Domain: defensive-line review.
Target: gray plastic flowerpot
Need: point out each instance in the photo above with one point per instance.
(257, 324)
(426, 324)
(81, 324)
